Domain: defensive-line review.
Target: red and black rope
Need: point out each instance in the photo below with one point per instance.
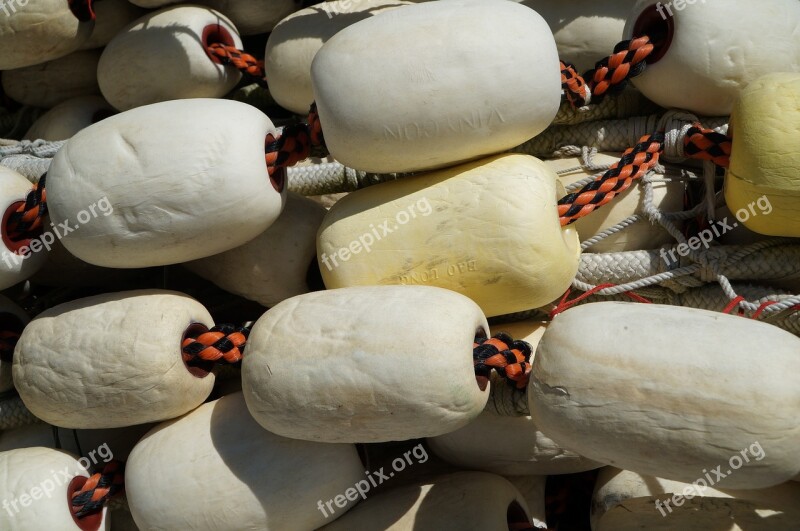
(508, 357)
(294, 143)
(27, 221)
(251, 68)
(707, 144)
(222, 343)
(93, 495)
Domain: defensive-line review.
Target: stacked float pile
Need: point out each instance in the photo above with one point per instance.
(186, 342)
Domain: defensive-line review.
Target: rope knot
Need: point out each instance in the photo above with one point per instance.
(510, 358)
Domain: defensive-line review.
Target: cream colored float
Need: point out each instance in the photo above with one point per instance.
(250, 16)
(112, 17)
(12, 319)
(273, 266)
(708, 51)
(585, 30)
(111, 360)
(464, 500)
(532, 489)
(260, 480)
(184, 180)
(35, 484)
(626, 501)
(162, 56)
(764, 156)
(48, 84)
(34, 32)
(370, 350)
(18, 260)
(509, 446)
(487, 229)
(67, 118)
(669, 391)
(434, 84)
(294, 43)
(643, 234)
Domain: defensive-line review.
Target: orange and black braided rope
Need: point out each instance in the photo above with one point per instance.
(707, 144)
(98, 489)
(27, 221)
(575, 89)
(250, 67)
(82, 9)
(294, 143)
(501, 353)
(634, 164)
(221, 344)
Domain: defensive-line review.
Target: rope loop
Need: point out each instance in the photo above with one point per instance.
(509, 357)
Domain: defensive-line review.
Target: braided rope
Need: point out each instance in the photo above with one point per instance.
(27, 220)
(576, 91)
(294, 142)
(221, 343)
(93, 495)
(612, 73)
(250, 67)
(510, 358)
(82, 9)
(706, 144)
(634, 164)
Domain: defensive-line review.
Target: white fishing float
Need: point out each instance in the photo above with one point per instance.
(69, 117)
(20, 257)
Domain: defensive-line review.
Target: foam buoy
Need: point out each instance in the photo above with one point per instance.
(488, 229)
(36, 32)
(20, 254)
(464, 500)
(262, 481)
(585, 30)
(124, 365)
(48, 84)
(627, 501)
(689, 397)
(700, 62)
(163, 56)
(67, 118)
(274, 266)
(642, 234)
(250, 16)
(179, 180)
(363, 383)
(36, 486)
(428, 54)
(508, 445)
(112, 17)
(12, 320)
(296, 39)
(762, 186)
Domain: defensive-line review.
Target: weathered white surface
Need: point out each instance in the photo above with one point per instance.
(250, 16)
(7, 306)
(508, 446)
(273, 266)
(14, 267)
(39, 31)
(435, 84)
(48, 84)
(185, 179)
(487, 229)
(670, 391)
(642, 235)
(585, 30)
(112, 17)
(718, 48)
(260, 480)
(36, 476)
(110, 360)
(625, 501)
(385, 363)
(294, 43)
(162, 56)
(67, 118)
(464, 500)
